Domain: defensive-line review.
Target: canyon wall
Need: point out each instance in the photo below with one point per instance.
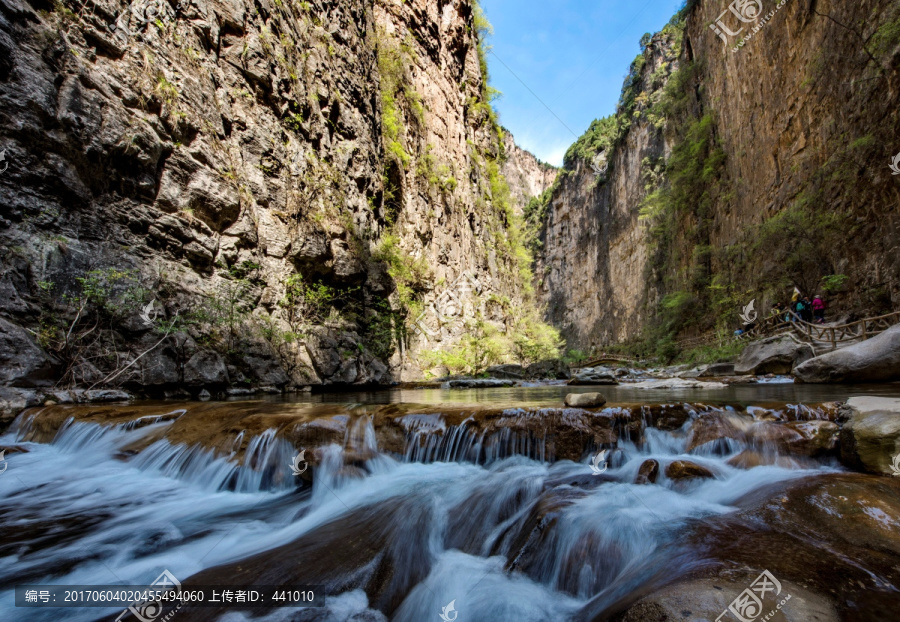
(527, 176)
(738, 172)
(223, 194)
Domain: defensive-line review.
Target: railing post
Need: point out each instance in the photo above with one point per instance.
(865, 330)
(833, 340)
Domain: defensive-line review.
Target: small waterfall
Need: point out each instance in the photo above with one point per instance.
(511, 530)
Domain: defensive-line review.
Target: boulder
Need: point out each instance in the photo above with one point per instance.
(14, 401)
(509, 372)
(874, 360)
(589, 376)
(714, 428)
(22, 362)
(775, 355)
(871, 437)
(684, 469)
(205, 368)
(648, 472)
(585, 400)
(553, 369)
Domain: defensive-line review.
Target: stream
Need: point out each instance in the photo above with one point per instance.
(495, 523)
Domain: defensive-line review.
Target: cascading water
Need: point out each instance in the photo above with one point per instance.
(499, 531)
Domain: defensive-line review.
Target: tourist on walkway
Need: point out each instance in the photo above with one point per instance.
(818, 307)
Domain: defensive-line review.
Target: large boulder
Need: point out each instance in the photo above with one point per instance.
(206, 368)
(871, 437)
(22, 362)
(775, 355)
(553, 369)
(874, 360)
(594, 376)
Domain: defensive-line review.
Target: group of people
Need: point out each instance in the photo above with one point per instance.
(812, 311)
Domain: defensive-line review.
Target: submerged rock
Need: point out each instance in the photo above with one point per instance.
(870, 440)
(874, 360)
(585, 400)
(775, 355)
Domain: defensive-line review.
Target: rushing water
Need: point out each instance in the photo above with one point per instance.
(83, 510)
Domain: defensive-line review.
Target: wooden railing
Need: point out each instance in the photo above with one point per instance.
(824, 333)
(814, 334)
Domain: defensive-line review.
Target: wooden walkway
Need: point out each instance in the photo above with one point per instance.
(822, 337)
(833, 336)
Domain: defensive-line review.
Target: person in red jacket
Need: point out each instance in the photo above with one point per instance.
(818, 306)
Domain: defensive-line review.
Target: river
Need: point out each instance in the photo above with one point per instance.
(403, 533)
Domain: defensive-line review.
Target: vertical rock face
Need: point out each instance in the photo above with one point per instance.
(802, 126)
(593, 266)
(527, 176)
(256, 193)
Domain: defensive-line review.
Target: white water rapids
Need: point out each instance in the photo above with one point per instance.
(79, 510)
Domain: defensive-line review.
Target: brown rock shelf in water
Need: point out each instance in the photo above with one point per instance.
(439, 432)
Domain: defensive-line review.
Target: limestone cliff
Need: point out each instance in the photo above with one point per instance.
(742, 167)
(527, 176)
(223, 193)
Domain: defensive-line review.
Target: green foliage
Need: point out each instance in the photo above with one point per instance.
(724, 351)
(411, 276)
(77, 318)
(798, 242)
(439, 176)
(393, 58)
(484, 345)
(887, 37)
(600, 136)
(833, 283)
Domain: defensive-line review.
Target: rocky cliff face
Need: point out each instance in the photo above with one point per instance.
(758, 166)
(211, 194)
(593, 266)
(527, 176)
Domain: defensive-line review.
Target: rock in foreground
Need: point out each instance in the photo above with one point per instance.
(871, 438)
(585, 400)
(875, 360)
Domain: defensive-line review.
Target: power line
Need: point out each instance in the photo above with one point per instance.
(600, 55)
(535, 94)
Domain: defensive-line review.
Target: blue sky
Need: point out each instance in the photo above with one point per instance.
(573, 54)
